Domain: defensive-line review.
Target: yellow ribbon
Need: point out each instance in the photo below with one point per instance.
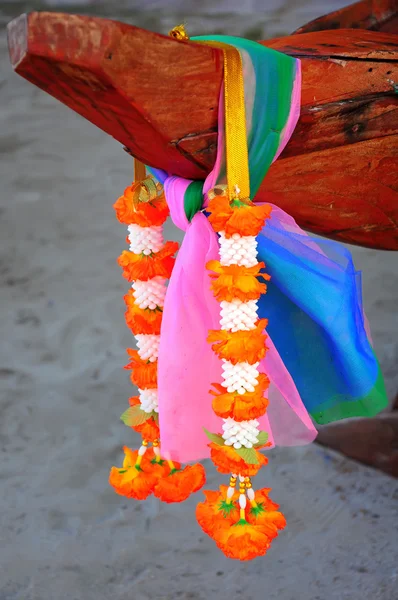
(237, 155)
(236, 151)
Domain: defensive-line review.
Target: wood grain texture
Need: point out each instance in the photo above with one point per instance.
(104, 70)
(376, 15)
(348, 193)
(159, 98)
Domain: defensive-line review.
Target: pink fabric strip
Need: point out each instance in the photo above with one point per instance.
(187, 365)
(174, 189)
(211, 179)
(294, 114)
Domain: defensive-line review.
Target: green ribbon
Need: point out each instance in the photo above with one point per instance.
(193, 199)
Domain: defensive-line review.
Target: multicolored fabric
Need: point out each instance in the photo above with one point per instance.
(320, 360)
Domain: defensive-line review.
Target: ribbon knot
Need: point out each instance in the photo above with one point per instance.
(193, 199)
(185, 199)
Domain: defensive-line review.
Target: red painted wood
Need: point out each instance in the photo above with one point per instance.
(348, 193)
(343, 43)
(377, 15)
(111, 73)
(159, 98)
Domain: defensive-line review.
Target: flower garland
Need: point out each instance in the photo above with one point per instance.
(243, 523)
(147, 265)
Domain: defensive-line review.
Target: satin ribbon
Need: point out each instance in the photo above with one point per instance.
(237, 156)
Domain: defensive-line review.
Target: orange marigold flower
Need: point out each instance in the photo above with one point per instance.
(262, 496)
(130, 210)
(180, 484)
(227, 460)
(133, 481)
(142, 320)
(244, 218)
(240, 346)
(215, 512)
(144, 373)
(142, 267)
(159, 468)
(266, 514)
(148, 430)
(236, 281)
(241, 407)
(245, 538)
(243, 541)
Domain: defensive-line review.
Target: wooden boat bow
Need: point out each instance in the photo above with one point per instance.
(158, 97)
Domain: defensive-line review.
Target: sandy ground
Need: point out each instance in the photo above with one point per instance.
(64, 534)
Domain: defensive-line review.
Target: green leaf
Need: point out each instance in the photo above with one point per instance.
(249, 455)
(226, 508)
(134, 416)
(240, 522)
(236, 203)
(214, 437)
(257, 510)
(262, 439)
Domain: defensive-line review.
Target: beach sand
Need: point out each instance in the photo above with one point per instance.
(64, 534)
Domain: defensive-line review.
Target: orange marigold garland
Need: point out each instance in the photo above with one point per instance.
(243, 524)
(240, 407)
(247, 221)
(240, 346)
(140, 206)
(148, 264)
(237, 282)
(240, 534)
